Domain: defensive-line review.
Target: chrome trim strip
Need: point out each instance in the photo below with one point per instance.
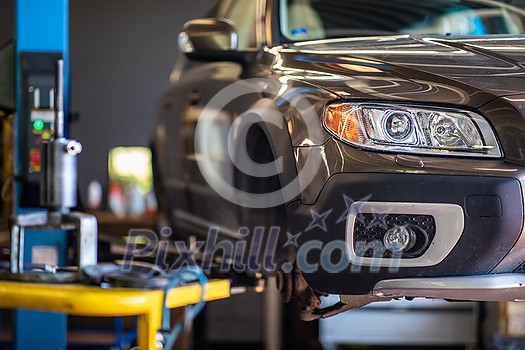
(503, 287)
(449, 227)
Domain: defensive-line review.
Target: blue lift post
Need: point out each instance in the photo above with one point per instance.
(42, 33)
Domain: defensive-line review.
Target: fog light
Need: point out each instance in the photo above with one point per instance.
(399, 239)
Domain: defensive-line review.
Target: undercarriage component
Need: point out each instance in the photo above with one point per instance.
(347, 302)
(500, 287)
(292, 285)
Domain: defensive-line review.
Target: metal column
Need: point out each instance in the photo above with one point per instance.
(41, 29)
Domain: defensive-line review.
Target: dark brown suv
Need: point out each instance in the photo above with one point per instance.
(367, 148)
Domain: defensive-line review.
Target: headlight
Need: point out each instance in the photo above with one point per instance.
(412, 129)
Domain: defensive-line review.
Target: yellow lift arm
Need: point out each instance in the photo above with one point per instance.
(81, 300)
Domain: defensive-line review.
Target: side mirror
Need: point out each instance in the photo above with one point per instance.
(207, 36)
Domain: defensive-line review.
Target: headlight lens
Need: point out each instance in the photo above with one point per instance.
(412, 129)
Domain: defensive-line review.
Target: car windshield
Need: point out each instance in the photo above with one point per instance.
(321, 19)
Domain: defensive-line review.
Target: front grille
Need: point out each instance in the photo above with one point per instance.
(369, 229)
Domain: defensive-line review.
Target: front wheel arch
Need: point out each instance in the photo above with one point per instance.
(266, 143)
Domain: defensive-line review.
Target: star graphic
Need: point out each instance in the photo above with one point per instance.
(292, 239)
(318, 220)
(379, 219)
(356, 209)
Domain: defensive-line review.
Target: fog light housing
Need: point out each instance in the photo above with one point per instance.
(400, 236)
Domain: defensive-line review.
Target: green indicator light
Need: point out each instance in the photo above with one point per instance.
(38, 125)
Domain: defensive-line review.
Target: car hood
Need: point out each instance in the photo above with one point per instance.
(467, 71)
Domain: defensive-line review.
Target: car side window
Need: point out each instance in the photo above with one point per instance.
(242, 13)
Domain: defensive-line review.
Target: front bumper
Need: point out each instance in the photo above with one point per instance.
(492, 209)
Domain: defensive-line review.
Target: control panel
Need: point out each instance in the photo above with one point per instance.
(37, 119)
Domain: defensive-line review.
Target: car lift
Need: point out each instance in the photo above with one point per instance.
(38, 277)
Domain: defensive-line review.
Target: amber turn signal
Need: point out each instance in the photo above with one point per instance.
(342, 120)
